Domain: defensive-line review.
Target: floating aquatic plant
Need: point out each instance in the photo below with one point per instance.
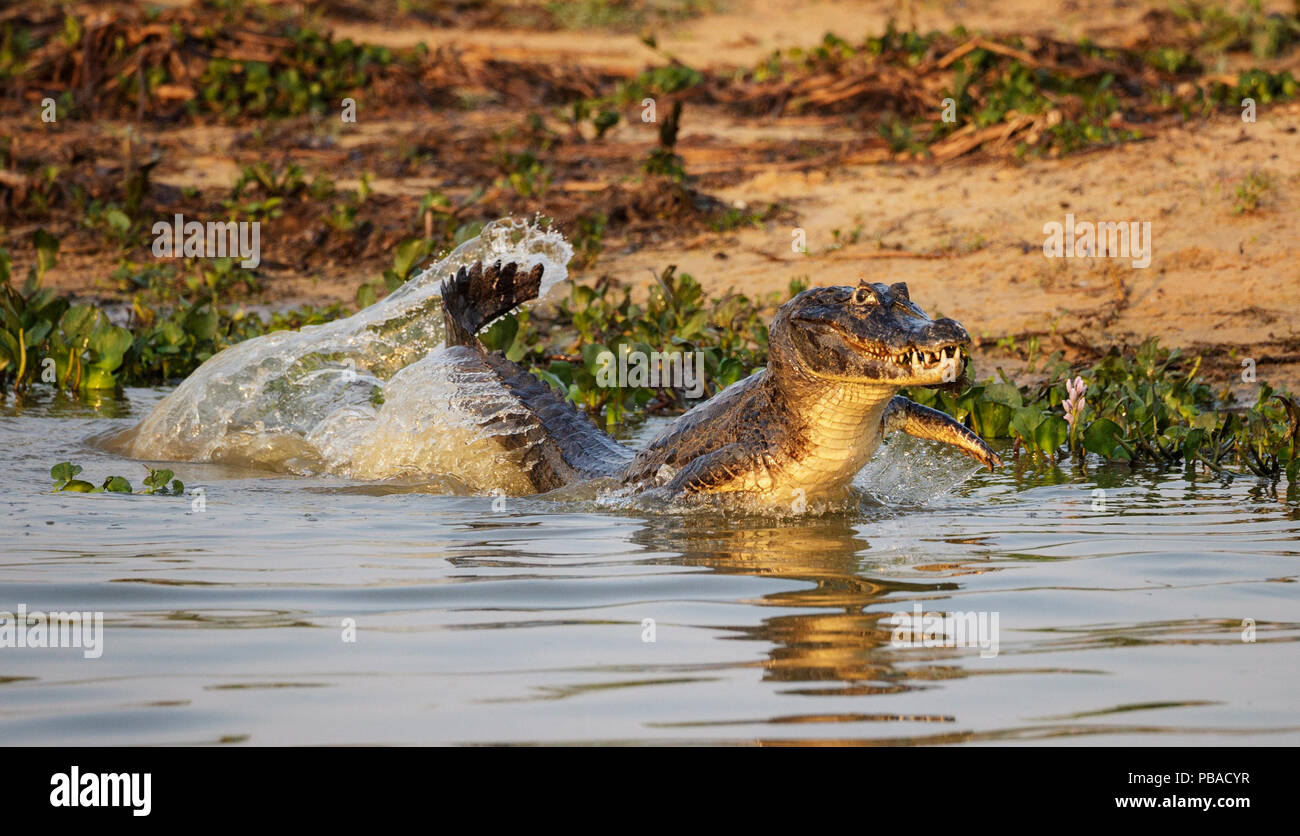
(65, 478)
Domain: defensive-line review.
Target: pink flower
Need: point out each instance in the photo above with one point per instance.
(1075, 402)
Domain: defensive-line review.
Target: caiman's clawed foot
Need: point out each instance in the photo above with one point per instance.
(924, 422)
(478, 295)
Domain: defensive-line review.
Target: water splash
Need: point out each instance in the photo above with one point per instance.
(907, 471)
(375, 395)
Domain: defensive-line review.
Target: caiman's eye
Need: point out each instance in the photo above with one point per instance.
(863, 297)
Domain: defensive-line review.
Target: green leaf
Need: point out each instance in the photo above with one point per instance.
(36, 335)
(515, 353)
(118, 221)
(64, 471)
(500, 335)
(78, 321)
(9, 343)
(1051, 433)
(1192, 442)
(563, 371)
(1101, 438)
(1024, 422)
(202, 324)
(551, 380)
(409, 254)
(157, 480)
(693, 325)
(584, 382)
(1004, 393)
(466, 231)
(591, 356)
(923, 396)
(41, 299)
(172, 333)
(117, 484)
(992, 419)
(730, 371)
(78, 486)
(110, 344)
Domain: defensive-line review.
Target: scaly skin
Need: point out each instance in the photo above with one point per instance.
(795, 434)
(800, 428)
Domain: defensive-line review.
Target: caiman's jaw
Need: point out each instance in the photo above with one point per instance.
(869, 334)
(929, 365)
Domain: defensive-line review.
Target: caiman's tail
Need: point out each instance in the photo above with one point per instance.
(558, 442)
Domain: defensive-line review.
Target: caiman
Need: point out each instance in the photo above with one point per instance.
(801, 428)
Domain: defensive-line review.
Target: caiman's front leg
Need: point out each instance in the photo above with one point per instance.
(722, 470)
(924, 422)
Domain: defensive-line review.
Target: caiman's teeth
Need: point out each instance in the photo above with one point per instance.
(919, 360)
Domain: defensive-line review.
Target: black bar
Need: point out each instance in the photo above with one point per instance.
(971, 785)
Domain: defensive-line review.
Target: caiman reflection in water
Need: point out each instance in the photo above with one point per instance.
(841, 646)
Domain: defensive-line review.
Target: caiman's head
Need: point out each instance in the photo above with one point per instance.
(872, 333)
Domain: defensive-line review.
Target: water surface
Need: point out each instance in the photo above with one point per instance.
(1121, 621)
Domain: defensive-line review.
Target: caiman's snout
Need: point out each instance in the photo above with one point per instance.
(936, 347)
(950, 331)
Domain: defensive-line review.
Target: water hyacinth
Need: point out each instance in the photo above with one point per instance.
(1076, 401)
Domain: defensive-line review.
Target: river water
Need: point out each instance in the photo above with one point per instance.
(1160, 611)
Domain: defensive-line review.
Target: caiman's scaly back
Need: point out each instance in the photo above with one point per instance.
(803, 426)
